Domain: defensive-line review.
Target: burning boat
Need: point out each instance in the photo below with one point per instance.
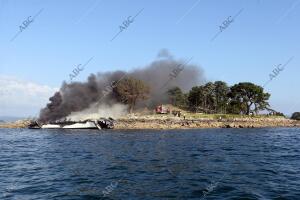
(86, 124)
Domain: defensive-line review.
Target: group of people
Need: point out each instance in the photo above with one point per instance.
(178, 114)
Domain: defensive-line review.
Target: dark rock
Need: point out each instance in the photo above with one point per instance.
(228, 126)
(296, 116)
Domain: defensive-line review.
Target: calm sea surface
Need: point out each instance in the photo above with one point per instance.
(176, 164)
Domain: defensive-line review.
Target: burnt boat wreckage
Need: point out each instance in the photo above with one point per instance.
(101, 123)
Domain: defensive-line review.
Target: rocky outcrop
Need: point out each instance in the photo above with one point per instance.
(296, 116)
(17, 124)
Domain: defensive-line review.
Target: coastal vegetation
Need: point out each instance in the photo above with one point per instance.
(217, 97)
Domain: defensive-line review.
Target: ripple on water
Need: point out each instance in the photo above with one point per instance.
(175, 164)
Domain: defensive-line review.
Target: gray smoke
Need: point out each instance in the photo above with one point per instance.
(161, 75)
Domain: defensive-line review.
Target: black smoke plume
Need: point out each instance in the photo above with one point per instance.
(162, 74)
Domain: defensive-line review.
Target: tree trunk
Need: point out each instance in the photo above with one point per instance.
(249, 108)
(132, 104)
(130, 108)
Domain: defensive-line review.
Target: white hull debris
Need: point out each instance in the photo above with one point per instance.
(50, 126)
(87, 124)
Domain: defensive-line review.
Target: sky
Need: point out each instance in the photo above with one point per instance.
(58, 35)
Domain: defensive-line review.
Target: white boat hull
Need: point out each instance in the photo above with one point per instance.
(50, 126)
(87, 125)
(78, 125)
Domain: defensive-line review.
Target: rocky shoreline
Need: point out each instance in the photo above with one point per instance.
(204, 123)
(166, 122)
(17, 124)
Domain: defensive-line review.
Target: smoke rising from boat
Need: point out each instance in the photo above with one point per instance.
(77, 96)
(96, 111)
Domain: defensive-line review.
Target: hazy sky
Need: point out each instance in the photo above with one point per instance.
(66, 33)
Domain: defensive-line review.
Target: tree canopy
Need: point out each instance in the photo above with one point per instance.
(130, 90)
(218, 97)
(213, 97)
(176, 96)
(249, 97)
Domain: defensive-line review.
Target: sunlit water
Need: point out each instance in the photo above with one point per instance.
(177, 164)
